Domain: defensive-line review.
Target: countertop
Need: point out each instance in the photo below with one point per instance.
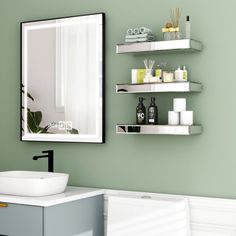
(70, 194)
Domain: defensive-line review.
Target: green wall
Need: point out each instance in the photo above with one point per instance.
(196, 165)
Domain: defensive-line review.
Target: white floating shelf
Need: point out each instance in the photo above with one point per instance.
(159, 129)
(181, 45)
(159, 87)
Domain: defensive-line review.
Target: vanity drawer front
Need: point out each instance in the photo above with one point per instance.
(21, 220)
(82, 217)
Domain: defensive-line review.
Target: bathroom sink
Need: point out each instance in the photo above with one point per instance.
(32, 183)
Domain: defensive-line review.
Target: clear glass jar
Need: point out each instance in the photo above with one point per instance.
(167, 36)
(168, 76)
(171, 33)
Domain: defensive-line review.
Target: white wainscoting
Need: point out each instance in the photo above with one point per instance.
(209, 216)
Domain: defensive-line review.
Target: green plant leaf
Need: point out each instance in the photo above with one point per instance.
(28, 94)
(38, 117)
(45, 129)
(33, 120)
(73, 131)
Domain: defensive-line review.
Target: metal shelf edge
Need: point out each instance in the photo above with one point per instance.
(159, 129)
(159, 87)
(184, 45)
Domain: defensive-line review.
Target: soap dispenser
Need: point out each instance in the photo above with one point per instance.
(187, 28)
(185, 74)
(152, 113)
(141, 112)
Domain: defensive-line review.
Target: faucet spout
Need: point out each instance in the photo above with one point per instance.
(50, 159)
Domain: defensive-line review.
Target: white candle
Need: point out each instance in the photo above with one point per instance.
(186, 117)
(179, 104)
(173, 118)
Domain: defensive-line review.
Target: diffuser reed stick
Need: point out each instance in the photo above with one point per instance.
(175, 16)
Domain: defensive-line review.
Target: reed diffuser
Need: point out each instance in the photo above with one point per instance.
(149, 70)
(171, 29)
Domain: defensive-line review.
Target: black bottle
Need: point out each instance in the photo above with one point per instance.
(152, 113)
(140, 112)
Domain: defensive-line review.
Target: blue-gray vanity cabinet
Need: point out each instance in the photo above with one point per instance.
(82, 217)
(78, 218)
(21, 220)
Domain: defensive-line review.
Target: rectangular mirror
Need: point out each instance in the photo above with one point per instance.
(62, 79)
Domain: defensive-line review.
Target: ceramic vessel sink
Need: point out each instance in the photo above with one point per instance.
(32, 183)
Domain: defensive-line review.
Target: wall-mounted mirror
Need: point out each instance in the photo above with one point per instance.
(62, 79)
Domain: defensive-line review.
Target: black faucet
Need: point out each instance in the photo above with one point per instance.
(50, 159)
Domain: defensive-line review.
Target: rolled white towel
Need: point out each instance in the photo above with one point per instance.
(146, 35)
(144, 30)
(131, 36)
(136, 31)
(145, 39)
(139, 36)
(134, 40)
(130, 31)
(127, 40)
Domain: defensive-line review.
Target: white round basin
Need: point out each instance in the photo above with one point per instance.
(32, 183)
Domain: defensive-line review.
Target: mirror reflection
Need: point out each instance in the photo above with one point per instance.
(62, 79)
